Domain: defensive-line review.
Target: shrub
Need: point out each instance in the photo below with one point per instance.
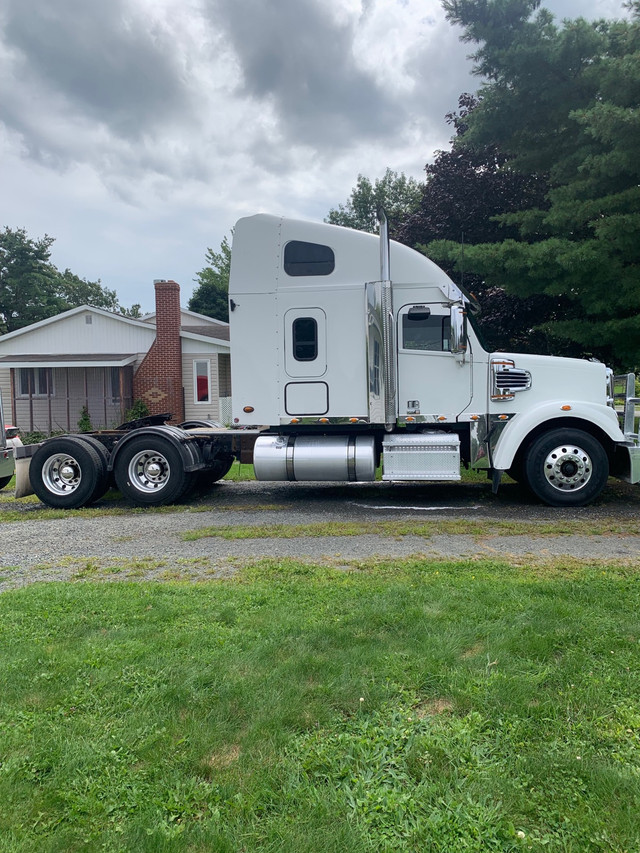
(84, 421)
(138, 410)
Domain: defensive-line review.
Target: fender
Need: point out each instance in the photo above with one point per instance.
(188, 449)
(517, 429)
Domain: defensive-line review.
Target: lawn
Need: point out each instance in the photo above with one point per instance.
(409, 707)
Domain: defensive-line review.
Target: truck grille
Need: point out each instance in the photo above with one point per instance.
(517, 380)
(507, 379)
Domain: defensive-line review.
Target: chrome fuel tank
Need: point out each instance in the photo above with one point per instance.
(319, 457)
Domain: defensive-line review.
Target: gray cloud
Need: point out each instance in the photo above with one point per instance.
(105, 60)
(299, 60)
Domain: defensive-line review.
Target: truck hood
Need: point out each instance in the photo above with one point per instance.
(554, 378)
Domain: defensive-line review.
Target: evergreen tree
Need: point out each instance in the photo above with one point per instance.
(563, 101)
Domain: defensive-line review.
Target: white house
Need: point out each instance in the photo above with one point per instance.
(174, 360)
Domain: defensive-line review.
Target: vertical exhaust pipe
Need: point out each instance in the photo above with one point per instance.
(385, 274)
(388, 324)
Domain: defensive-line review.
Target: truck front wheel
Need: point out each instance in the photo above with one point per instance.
(150, 471)
(566, 467)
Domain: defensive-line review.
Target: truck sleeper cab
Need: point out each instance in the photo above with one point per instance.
(358, 365)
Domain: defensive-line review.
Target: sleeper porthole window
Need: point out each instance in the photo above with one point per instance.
(305, 339)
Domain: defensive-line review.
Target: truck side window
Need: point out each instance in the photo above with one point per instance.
(308, 259)
(426, 333)
(305, 339)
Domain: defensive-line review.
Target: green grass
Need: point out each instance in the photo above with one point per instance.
(399, 528)
(239, 472)
(404, 706)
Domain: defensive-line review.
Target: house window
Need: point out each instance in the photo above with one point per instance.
(35, 381)
(114, 379)
(305, 339)
(308, 259)
(201, 381)
(431, 333)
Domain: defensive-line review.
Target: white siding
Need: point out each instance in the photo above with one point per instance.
(69, 335)
(5, 388)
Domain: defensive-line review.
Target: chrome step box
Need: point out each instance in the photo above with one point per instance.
(421, 456)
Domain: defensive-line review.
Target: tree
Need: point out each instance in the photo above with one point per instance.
(32, 289)
(564, 101)
(78, 291)
(466, 188)
(135, 312)
(27, 280)
(399, 195)
(211, 297)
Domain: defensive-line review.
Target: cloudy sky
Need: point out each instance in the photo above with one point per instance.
(136, 132)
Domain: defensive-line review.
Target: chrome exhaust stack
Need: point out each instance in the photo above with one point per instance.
(388, 324)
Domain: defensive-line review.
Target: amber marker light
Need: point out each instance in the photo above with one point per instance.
(353, 420)
(503, 417)
(323, 420)
(410, 419)
(566, 408)
(248, 409)
(475, 417)
(295, 420)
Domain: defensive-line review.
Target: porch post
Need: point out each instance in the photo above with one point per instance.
(31, 380)
(121, 383)
(14, 405)
(104, 394)
(68, 401)
(49, 375)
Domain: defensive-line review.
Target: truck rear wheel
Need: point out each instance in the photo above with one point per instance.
(566, 467)
(66, 473)
(4, 481)
(215, 473)
(103, 482)
(149, 471)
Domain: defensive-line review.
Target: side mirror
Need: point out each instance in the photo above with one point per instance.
(458, 330)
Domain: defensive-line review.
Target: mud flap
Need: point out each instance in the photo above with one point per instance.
(496, 479)
(23, 456)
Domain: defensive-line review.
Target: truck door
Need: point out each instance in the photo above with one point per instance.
(432, 382)
(305, 362)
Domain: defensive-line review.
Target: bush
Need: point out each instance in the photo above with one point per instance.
(138, 410)
(84, 421)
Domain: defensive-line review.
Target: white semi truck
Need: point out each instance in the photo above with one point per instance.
(347, 351)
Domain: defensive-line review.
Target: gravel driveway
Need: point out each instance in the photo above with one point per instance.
(150, 544)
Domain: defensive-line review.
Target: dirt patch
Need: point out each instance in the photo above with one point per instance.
(433, 707)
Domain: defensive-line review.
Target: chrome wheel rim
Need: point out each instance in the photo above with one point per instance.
(61, 474)
(149, 471)
(568, 468)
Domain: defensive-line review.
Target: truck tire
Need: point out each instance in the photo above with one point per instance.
(4, 481)
(104, 478)
(566, 467)
(149, 471)
(66, 473)
(215, 473)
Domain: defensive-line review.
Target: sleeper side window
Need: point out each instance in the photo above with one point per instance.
(302, 258)
(305, 339)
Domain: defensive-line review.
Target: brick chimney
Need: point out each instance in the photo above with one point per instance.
(158, 380)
